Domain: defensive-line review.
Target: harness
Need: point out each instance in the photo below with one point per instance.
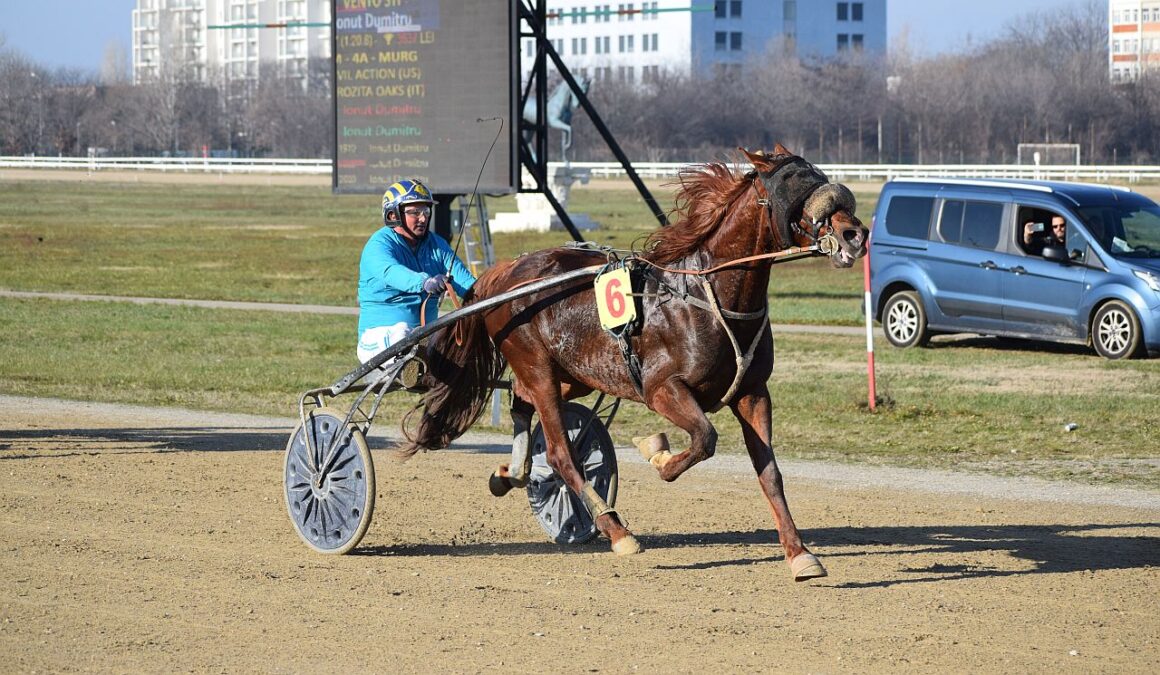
(712, 305)
(639, 269)
(641, 272)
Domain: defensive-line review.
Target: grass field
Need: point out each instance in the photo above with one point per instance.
(970, 404)
(297, 244)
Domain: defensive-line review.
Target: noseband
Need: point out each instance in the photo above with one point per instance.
(784, 239)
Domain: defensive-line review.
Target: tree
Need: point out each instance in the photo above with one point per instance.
(22, 104)
(290, 116)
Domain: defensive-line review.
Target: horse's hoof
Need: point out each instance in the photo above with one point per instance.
(651, 445)
(499, 484)
(627, 545)
(806, 566)
(654, 449)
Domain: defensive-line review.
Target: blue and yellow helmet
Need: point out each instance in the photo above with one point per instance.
(402, 193)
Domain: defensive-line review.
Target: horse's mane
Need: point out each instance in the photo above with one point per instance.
(704, 195)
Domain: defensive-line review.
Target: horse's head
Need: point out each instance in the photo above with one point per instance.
(807, 208)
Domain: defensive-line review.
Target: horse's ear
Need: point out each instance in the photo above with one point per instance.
(779, 149)
(759, 160)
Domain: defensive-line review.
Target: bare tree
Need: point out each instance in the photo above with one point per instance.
(156, 121)
(71, 93)
(290, 116)
(22, 104)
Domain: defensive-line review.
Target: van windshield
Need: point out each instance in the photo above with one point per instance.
(1125, 230)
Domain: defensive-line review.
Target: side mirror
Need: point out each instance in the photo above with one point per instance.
(1056, 253)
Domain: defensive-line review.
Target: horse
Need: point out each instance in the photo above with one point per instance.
(558, 111)
(705, 280)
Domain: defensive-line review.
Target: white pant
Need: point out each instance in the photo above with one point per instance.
(374, 340)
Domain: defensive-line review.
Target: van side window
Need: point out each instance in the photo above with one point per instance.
(950, 223)
(909, 216)
(974, 224)
(981, 224)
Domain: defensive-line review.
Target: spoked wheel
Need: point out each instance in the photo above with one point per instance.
(561, 513)
(330, 491)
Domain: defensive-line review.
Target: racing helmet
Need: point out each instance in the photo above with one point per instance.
(402, 193)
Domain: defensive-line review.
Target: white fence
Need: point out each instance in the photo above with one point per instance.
(171, 164)
(663, 170)
(885, 172)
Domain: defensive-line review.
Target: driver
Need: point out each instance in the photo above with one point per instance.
(403, 264)
(1055, 236)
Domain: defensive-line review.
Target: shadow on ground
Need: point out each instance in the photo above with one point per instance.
(87, 442)
(1044, 549)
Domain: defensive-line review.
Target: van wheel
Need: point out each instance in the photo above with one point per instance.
(1116, 331)
(904, 320)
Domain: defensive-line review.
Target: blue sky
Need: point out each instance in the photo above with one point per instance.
(76, 33)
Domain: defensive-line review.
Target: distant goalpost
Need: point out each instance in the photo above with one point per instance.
(1048, 154)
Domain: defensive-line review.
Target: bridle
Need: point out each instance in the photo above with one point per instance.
(820, 232)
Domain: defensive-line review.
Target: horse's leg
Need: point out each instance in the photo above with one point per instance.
(675, 402)
(753, 411)
(515, 475)
(545, 395)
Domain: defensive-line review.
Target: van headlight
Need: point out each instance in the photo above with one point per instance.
(1150, 278)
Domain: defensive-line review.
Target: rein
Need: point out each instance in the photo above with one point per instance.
(457, 329)
(822, 247)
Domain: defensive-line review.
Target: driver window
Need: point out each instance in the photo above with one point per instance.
(1035, 229)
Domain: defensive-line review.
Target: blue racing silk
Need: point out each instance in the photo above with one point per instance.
(391, 276)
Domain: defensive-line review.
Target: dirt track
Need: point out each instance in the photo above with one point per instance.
(153, 540)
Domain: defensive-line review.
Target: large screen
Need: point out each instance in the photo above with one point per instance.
(420, 89)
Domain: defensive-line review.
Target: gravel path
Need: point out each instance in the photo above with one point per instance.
(834, 475)
(143, 539)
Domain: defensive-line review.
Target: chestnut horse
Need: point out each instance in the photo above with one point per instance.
(703, 341)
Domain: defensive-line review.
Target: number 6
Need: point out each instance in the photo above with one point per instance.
(614, 298)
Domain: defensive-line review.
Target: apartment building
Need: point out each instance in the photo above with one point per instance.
(627, 41)
(635, 41)
(192, 36)
(1133, 38)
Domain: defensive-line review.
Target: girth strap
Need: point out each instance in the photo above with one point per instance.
(631, 360)
(622, 333)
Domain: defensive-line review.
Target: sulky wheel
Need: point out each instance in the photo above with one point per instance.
(561, 513)
(330, 498)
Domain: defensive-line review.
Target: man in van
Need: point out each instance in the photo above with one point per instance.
(1056, 236)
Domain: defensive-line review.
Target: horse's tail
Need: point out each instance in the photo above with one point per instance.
(464, 365)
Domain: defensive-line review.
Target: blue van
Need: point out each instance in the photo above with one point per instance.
(979, 256)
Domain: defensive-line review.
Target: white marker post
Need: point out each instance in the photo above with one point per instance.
(873, 393)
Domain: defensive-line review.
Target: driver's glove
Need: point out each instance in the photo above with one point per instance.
(435, 285)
